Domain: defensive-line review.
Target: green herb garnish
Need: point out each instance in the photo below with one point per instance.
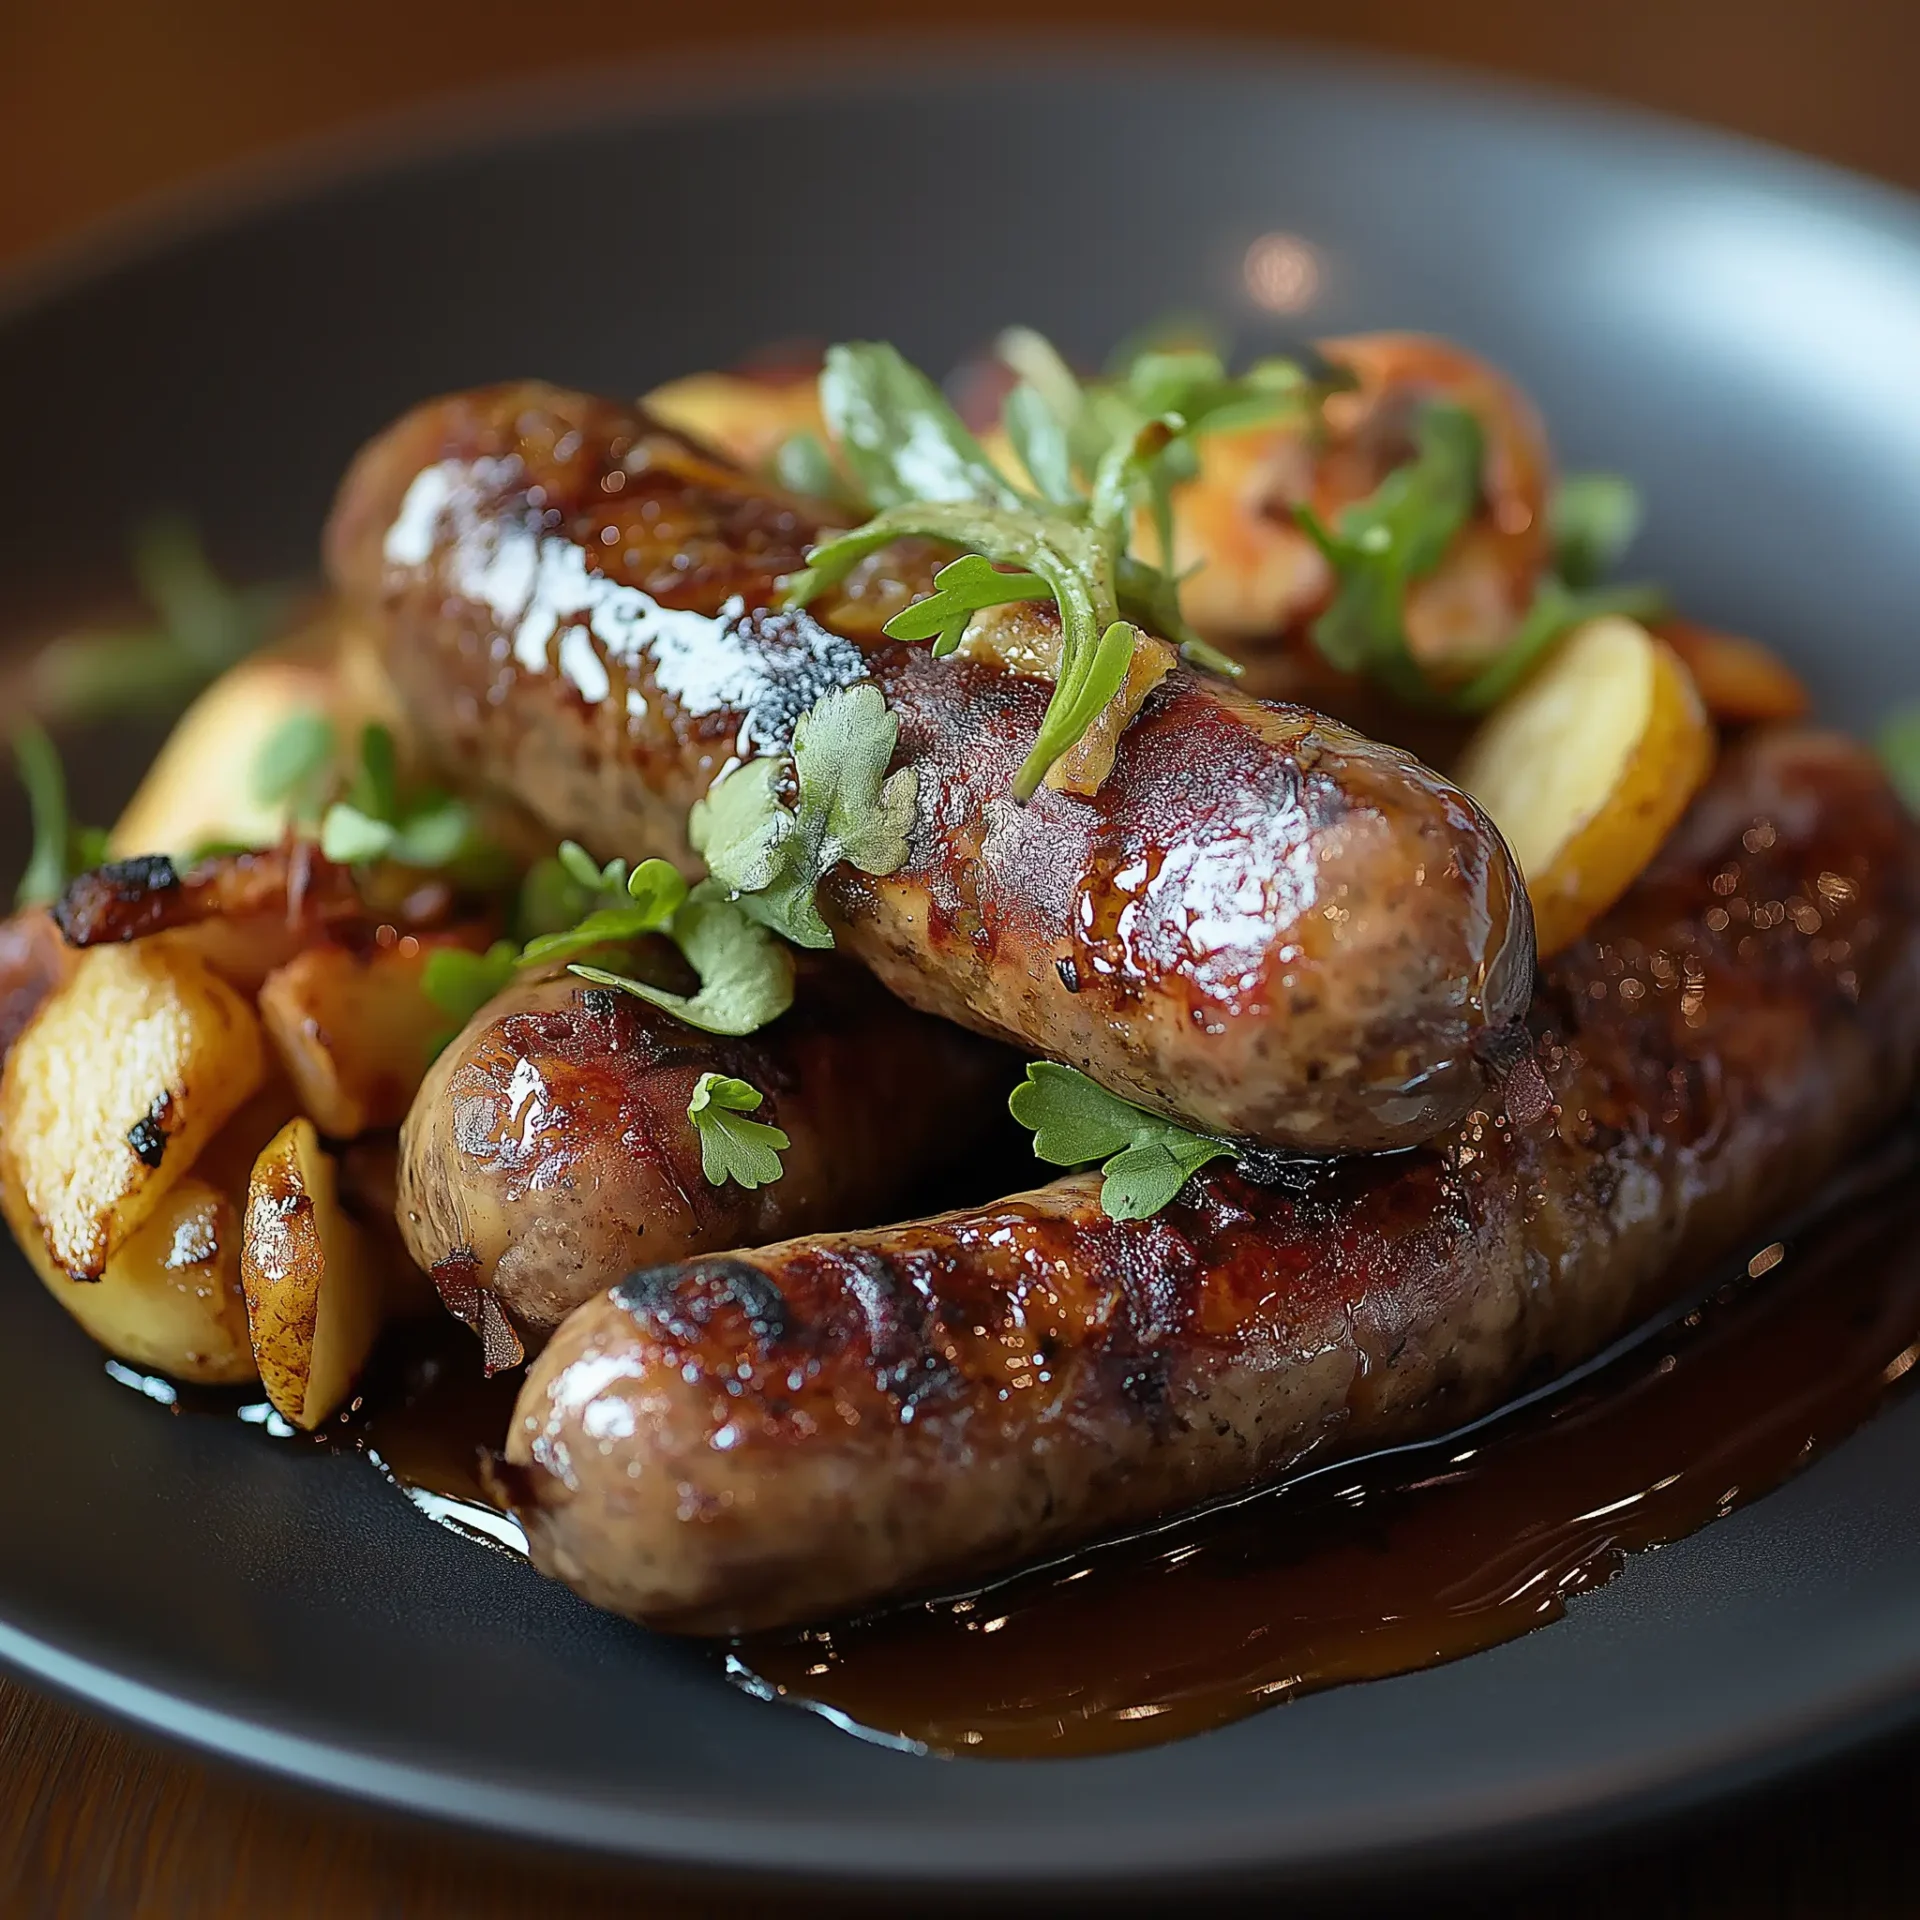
(362, 812)
(202, 626)
(771, 857)
(1093, 456)
(1555, 612)
(733, 1147)
(1594, 517)
(631, 905)
(460, 983)
(377, 821)
(1899, 745)
(1146, 1160)
(1401, 532)
(1379, 546)
(746, 975)
(61, 849)
(802, 464)
(295, 765)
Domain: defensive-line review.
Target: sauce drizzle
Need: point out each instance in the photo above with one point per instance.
(1405, 1559)
(1354, 1571)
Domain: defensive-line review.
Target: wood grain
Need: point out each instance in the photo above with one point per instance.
(103, 101)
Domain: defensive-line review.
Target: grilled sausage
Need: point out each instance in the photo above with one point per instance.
(1261, 922)
(549, 1150)
(776, 1436)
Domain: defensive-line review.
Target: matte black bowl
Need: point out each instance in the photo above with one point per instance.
(1736, 328)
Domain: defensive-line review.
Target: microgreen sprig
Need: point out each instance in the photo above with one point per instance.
(1400, 534)
(1379, 546)
(732, 1147)
(61, 848)
(295, 766)
(745, 973)
(201, 627)
(1092, 456)
(1593, 518)
(746, 976)
(362, 812)
(1145, 1159)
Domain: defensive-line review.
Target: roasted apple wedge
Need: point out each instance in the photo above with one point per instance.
(110, 1094)
(314, 1289)
(1587, 767)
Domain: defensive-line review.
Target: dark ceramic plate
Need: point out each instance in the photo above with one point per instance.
(1735, 327)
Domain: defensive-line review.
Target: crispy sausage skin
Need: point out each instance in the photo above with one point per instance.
(769, 1437)
(1262, 923)
(549, 1151)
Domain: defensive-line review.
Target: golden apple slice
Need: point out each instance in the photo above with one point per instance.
(314, 1291)
(1586, 767)
(125, 1073)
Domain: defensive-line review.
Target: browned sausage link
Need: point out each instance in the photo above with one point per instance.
(549, 1149)
(782, 1435)
(1263, 922)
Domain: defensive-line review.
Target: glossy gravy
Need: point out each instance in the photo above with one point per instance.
(1352, 1572)
(1408, 1558)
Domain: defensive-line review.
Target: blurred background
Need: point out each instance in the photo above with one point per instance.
(105, 101)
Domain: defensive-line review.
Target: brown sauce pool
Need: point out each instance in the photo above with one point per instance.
(1352, 1572)
(1403, 1560)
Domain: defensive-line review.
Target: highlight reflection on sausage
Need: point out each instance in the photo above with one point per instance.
(549, 1149)
(782, 1435)
(1262, 923)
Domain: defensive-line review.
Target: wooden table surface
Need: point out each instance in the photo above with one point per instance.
(103, 101)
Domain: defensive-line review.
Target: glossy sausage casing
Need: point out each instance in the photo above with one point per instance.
(795, 1432)
(1262, 923)
(549, 1150)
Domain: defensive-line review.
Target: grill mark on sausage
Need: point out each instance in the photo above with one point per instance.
(1271, 926)
(684, 1301)
(1105, 1373)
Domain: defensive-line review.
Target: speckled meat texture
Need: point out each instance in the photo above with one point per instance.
(1262, 922)
(549, 1151)
(801, 1431)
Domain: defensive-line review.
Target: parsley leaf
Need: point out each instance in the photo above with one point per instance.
(202, 627)
(802, 464)
(353, 838)
(1146, 1159)
(771, 857)
(746, 975)
(1594, 517)
(1899, 745)
(963, 588)
(645, 901)
(731, 1146)
(565, 887)
(61, 849)
(460, 983)
(1093, 456)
